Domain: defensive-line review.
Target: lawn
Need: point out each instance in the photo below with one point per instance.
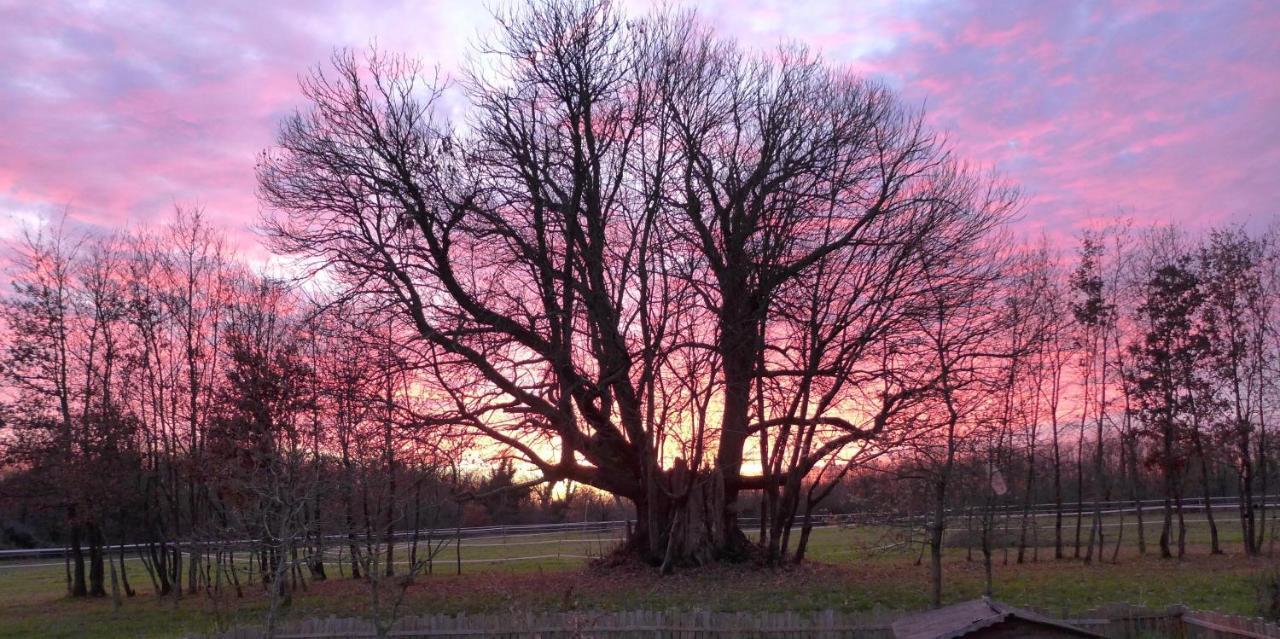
(851, 570)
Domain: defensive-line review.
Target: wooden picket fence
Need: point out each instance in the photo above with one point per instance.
(1117, 622)
(611, 625)
(1214, 625)
(1129, 622)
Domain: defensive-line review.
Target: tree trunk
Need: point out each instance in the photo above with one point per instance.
(417, 522)
(1170, 490)
(1247, 522)
(739, 343)
(1263, 471)
(160, 560)
(1166, 529)
(97, 569)
(1214, 547)
(1115, 550)
(1182, 527)
(352, 543)
(1057, 494)
(78, 585)
(115, 585)
(124, 575)
(987, 524)
(806, 528)
(681, 521)
(1135, 489)
(1100, 489)
(935, 542)
(1027, 498)
(1079, 490)
(391, 509)
(193, 568)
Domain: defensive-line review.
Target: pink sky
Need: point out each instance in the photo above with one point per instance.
(1163, 111)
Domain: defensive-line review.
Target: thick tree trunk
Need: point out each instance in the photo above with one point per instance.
(681, 521)
(739, 343)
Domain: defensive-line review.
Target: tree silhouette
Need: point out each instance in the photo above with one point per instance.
(632, 200)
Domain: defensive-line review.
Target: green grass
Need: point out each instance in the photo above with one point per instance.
(851, 570)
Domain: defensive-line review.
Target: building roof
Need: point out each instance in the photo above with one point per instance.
(964, 618)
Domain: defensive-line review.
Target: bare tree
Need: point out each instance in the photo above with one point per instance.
(1165, 380)
(1230, 263)
(626, 195)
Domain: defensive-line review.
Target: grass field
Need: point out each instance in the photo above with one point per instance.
(851, 569)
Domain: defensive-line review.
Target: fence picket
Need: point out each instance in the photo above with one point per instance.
(1114, 621)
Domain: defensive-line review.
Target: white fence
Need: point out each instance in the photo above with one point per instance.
(511, 535)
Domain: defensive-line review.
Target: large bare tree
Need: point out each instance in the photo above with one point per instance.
(642, 247)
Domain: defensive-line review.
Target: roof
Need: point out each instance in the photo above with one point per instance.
(963, 618)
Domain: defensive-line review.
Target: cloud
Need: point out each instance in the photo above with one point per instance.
(119, 110)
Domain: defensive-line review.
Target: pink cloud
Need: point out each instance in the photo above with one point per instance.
(1160, 111)
(1163, 111)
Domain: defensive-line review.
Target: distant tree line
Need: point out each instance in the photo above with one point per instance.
(1141, 368)
(159, 393)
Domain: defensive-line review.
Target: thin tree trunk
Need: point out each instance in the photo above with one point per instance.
(1099, 469)
(935, 542)
(66, 564)
(124, 575)
(79, 588)
(417, 521)
(988, 523)
(1182, 528)
(115, 585)
(1057, 494)
(1262, 470)
(97, 574)
(1079, 492)
(1026, 501)
(1166, 530)
(1136, 492)
(1115, 552)
(968, 534)
(1215, 548)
